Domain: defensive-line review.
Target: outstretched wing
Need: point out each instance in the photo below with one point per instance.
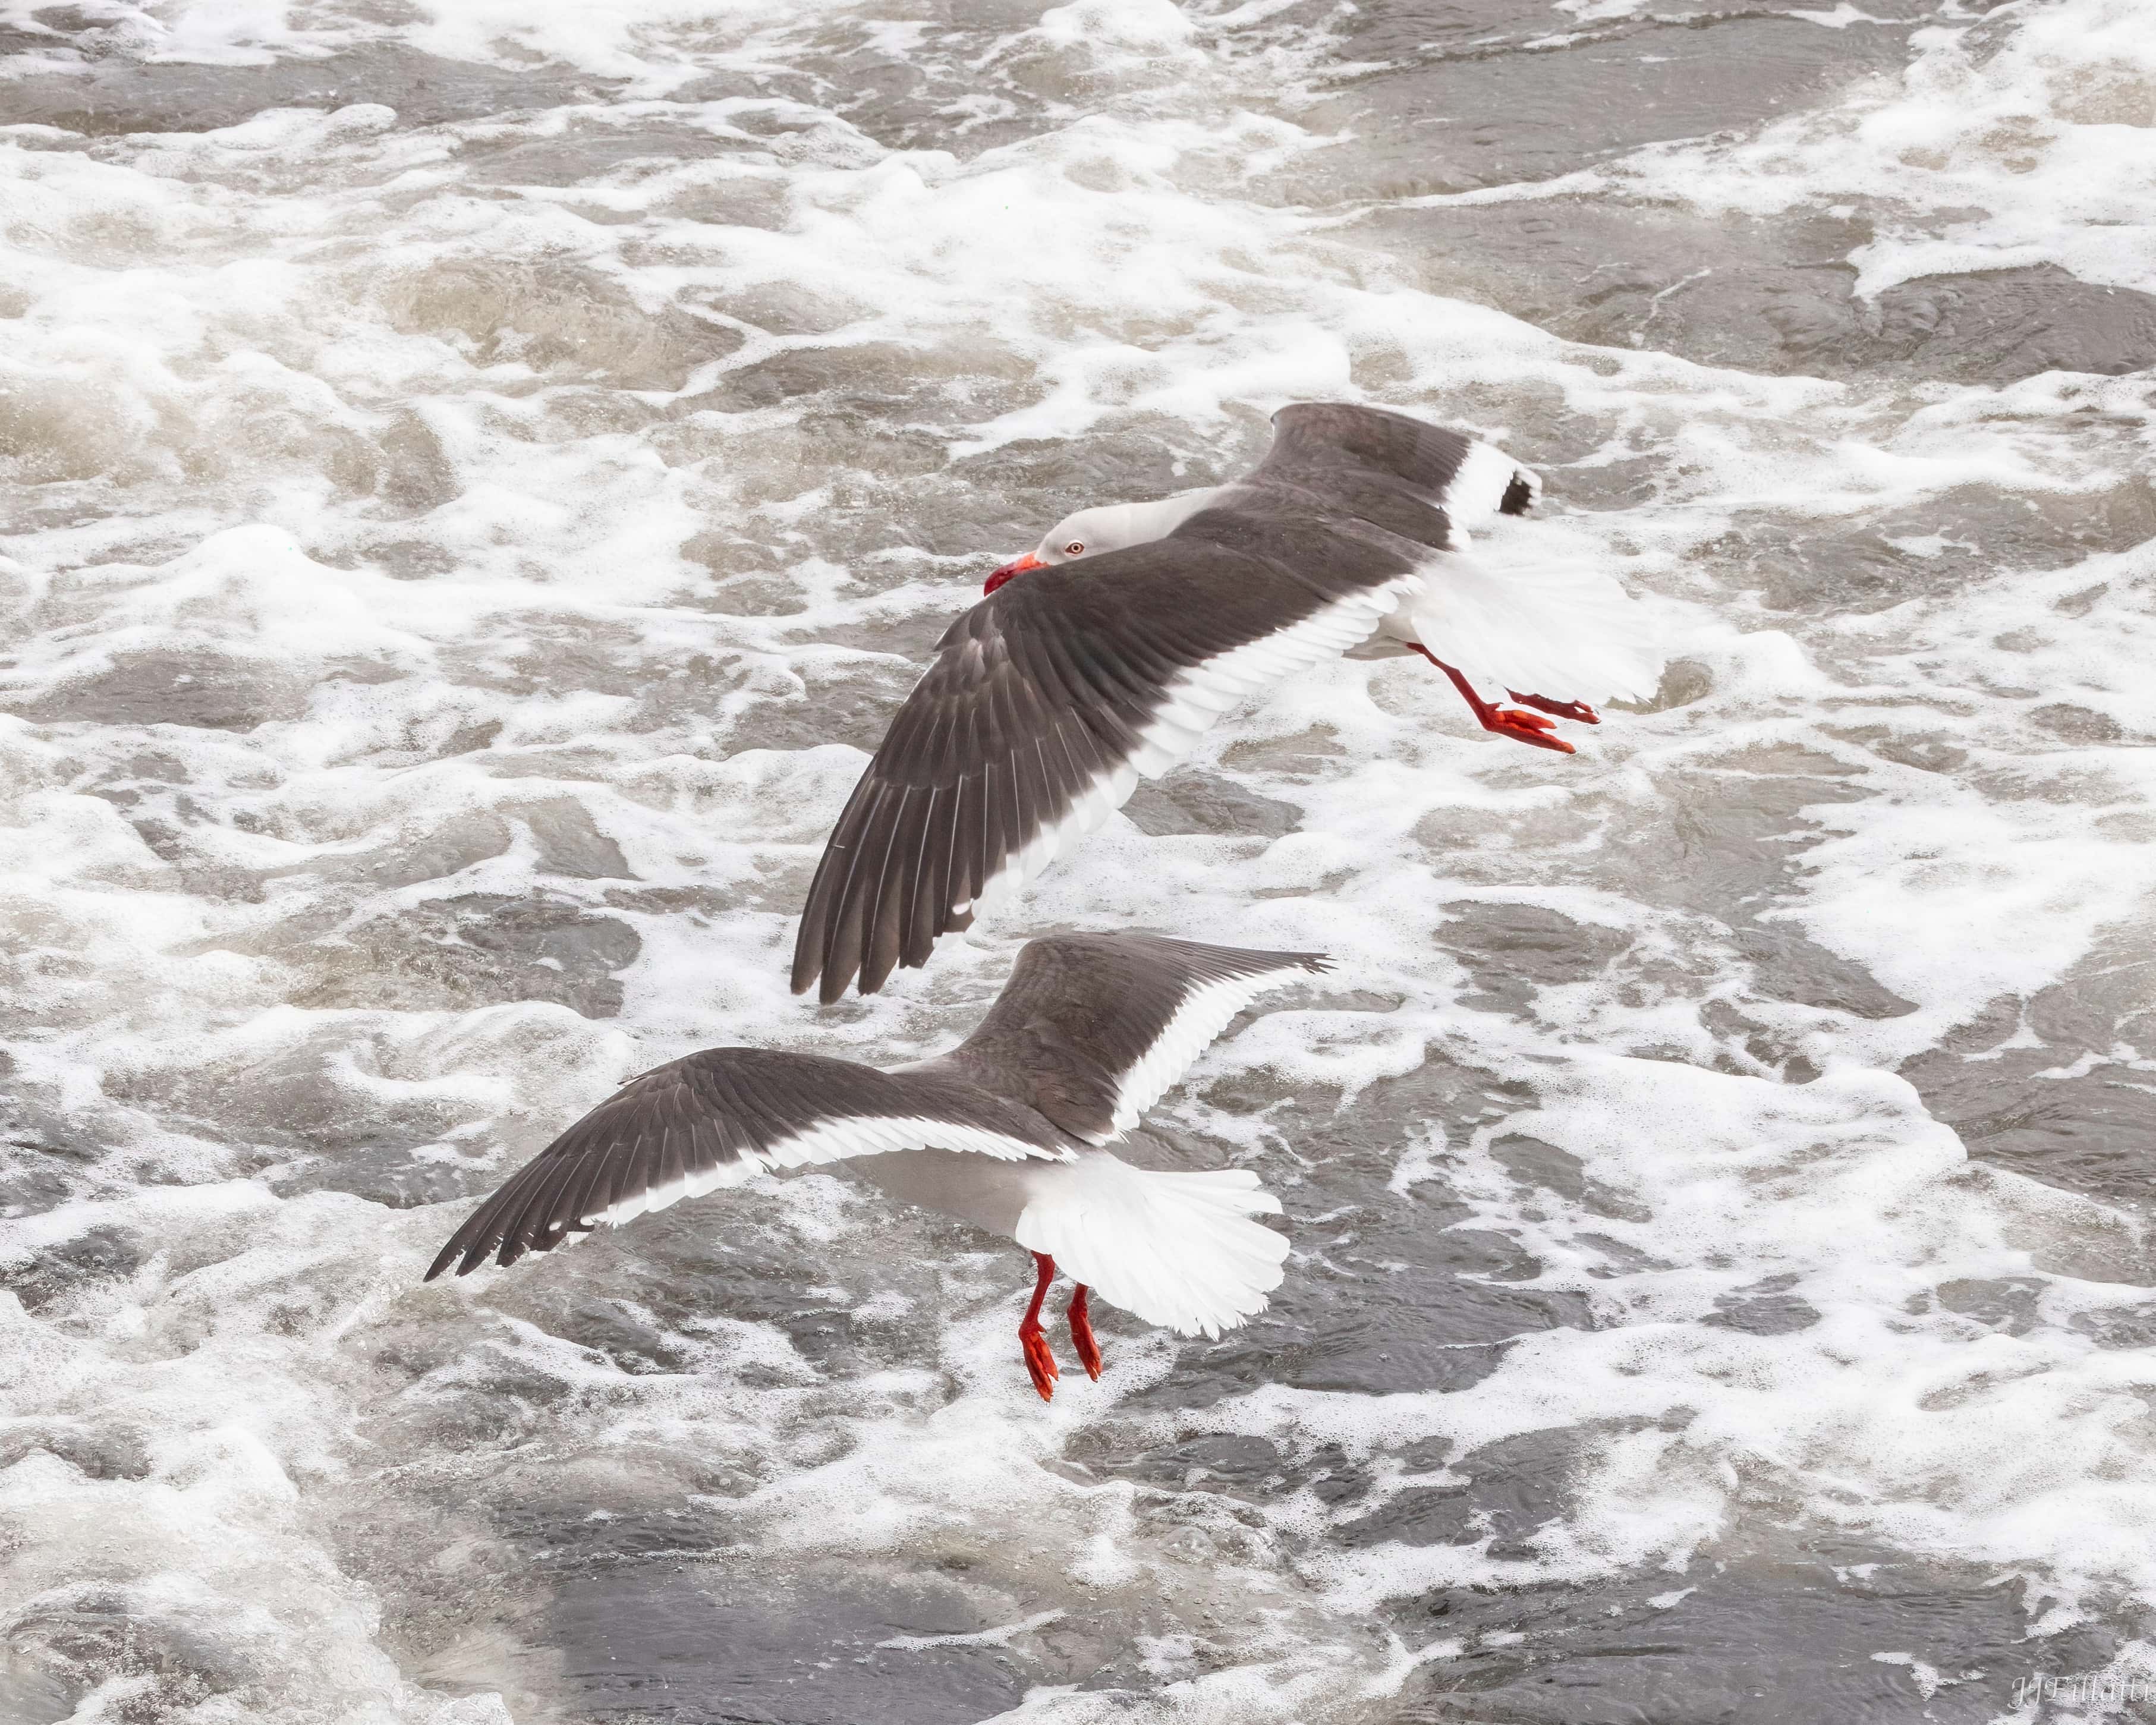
(712, 1119)
(1092, 1029)
(1046, 703)
(1421, 481)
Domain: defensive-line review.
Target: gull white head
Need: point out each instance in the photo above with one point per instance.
(1106, 527)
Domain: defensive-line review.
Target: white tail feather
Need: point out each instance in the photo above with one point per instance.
(1178, 1250)
(1556, 627)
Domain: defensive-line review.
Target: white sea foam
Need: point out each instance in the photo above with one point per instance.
(457, 569)
(2029, 143)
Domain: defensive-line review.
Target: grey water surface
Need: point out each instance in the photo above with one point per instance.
(476, 478)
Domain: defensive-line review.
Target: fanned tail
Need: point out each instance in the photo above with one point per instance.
(1181, 1249)
(1551, 626)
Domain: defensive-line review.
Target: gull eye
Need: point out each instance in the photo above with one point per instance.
(1073, 547)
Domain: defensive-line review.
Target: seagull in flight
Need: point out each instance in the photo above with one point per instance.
(1007, 1131)
(1101, 656)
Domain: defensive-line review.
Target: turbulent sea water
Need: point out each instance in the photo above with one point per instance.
(478, 476)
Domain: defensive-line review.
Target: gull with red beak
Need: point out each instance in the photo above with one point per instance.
(1100, 656)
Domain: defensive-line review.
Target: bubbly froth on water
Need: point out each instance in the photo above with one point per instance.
(479, 476)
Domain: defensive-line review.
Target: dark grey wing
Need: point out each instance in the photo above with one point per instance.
(1092, 1029)
(713, 1118)
(1047, 701)
(1414, 479)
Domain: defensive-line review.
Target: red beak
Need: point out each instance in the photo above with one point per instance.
(1017, 566)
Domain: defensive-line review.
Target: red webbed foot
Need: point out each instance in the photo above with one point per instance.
(1032, 1340)
(1040, 1362)
(1082, 1335)
(1526, 728)
(1504, 720)
(1576, 710)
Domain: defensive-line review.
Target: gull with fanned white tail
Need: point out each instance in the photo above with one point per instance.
(1101, 657)
(1005, 1131)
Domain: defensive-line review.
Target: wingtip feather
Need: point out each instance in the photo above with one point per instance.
(834, 988)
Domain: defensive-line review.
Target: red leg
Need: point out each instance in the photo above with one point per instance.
(1040, 1362)
(1082, 1335)
(1576, 709)
(1504, 720)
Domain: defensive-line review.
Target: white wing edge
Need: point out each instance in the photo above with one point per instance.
(1193, 700)
(1202, 1016)
(1479, 487)
(830, 1140)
